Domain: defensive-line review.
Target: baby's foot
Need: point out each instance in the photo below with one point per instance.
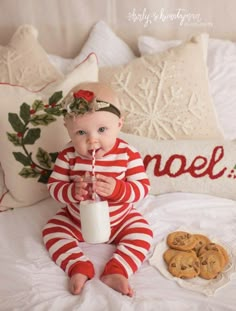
(119, 283)
(77, 283)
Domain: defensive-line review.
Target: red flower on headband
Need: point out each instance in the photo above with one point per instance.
(87, 95)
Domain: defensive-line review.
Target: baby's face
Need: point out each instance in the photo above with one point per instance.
(97, 130)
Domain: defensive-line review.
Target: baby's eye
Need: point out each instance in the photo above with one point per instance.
(102, 129)
(80, 132)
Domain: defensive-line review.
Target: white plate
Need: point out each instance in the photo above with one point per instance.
(207, 287)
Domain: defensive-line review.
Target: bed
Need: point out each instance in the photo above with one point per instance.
(182, 122)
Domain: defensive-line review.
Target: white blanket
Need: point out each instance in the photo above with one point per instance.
(31, 281)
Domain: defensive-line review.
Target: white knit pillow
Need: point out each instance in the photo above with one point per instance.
(24, 62)
(110, 49)
(221, 63)
(30, 137)
(166, 95)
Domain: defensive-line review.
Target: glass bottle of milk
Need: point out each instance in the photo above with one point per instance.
(94, 216)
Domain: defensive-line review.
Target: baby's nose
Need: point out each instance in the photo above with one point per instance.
(92, 140)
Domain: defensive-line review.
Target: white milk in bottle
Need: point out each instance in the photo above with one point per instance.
(94, 214)
(95, 221)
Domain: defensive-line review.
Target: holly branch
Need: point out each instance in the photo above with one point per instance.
(26, 126)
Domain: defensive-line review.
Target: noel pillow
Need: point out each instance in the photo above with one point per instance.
(196, 166)
(31, 134)
(166, 95)
(24, 62)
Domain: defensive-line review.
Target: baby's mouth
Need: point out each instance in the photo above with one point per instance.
(92, 150)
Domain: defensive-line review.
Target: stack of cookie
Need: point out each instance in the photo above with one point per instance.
(190, 255)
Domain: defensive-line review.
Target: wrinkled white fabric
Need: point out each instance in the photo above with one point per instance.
(31, 281)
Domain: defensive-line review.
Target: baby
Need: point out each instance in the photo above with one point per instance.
(93, 121)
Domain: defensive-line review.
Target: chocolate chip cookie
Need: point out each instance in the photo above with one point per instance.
(181, 240)
(210, 264)
(170, 253)
(184, 265)
(201, 241)
(215, 247)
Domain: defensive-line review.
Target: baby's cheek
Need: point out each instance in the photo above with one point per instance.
(78, 144)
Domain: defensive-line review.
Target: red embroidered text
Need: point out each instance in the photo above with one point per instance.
(200, 166)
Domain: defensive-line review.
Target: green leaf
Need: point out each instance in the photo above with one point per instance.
(56, 111)
(44, 177)
(31, 136)
(25, 112)
(16, 122)
(29, 173)
(42, 119)
(38, 105)
(44, 158)
(20, 157)
(53, 156)
(55, 97)
(13, 138)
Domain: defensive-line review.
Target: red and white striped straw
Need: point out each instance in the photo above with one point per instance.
(93, 164)
(93, 174)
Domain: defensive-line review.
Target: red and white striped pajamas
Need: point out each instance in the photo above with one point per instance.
(129, 230)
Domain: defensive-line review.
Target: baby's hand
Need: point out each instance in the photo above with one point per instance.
(80, 188)
(104, 185)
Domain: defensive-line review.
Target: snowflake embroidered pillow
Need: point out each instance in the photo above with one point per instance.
(166, 95)
(32, 132)
(196, 166)
(221, 62)
(24, 62)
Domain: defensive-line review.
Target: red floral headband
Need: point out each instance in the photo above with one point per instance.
(84, 101)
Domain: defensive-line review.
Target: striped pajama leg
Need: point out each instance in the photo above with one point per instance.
(61, 237)
(133, 238)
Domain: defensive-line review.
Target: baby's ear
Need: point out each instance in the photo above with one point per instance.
(65, 122)
(121, 122)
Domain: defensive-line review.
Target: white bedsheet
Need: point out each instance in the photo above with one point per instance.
(30, 281)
